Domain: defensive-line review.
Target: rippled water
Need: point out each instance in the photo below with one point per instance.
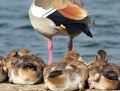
(16, 31)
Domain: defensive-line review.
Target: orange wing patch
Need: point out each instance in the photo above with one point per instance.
(73, 12)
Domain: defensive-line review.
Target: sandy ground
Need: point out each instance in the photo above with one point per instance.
(15, 87)
(37, 87)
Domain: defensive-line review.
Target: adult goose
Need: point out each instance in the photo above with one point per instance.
(59, 17)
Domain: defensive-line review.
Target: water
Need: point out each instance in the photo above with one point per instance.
(16, 31)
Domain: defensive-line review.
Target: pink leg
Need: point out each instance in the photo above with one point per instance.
(70, 45)
(50, 47)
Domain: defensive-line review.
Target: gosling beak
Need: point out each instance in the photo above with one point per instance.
(73, 12)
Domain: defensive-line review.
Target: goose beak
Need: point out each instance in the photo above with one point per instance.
(73, 12)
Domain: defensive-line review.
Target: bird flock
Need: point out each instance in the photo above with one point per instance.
(71, 73)
(70, 18)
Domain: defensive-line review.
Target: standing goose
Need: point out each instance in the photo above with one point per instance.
(59, 17)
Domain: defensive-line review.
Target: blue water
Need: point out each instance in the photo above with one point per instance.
(16, 31)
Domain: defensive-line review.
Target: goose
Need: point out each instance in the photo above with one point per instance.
(59, 17)
(68, 75)
(24, 67)
(3, 69)
(103, 75)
